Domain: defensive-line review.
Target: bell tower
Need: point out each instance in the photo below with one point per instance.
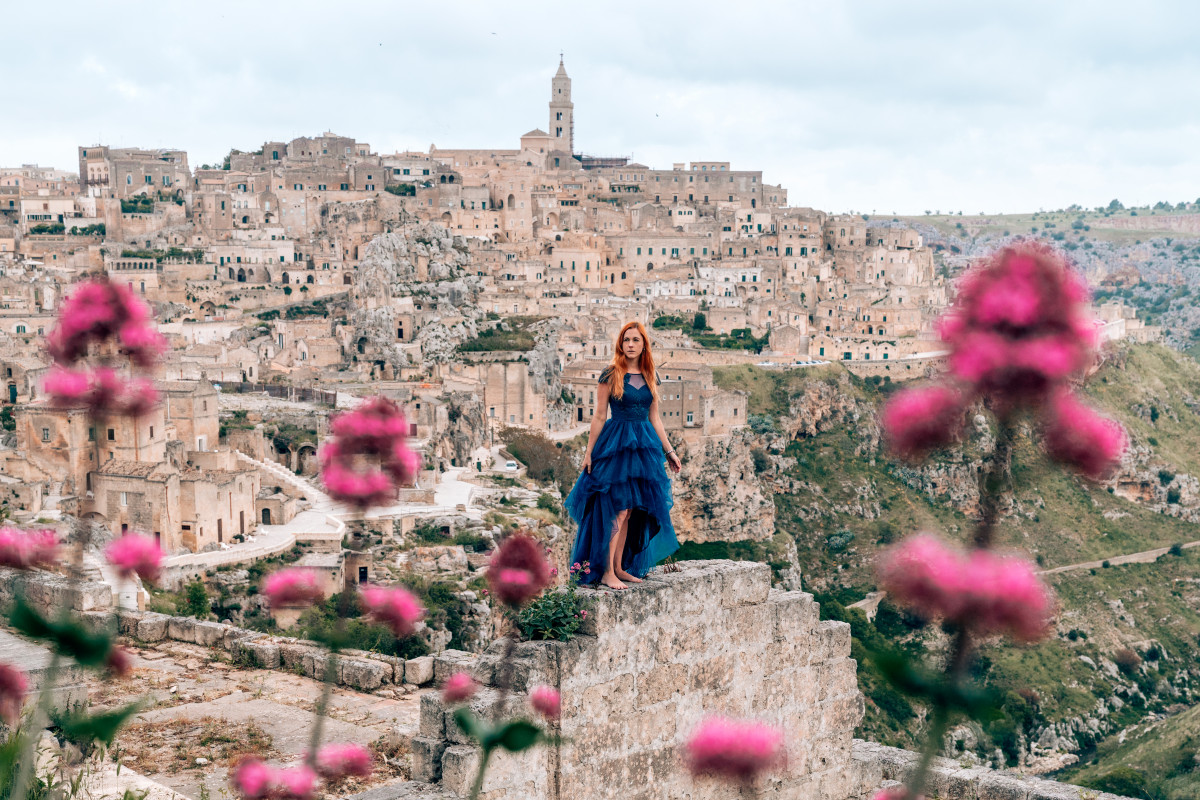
(562, 111)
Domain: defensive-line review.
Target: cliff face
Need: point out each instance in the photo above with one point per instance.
(718, 495)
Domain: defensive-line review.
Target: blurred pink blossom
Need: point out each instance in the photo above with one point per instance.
(518, 571)
(990, 592)
(13, 685)
(377, 429)
(135, 553)
(24, 549)
(295, 783)
(916, 421)
(335, 761)
(1079, 437)
(546, 701)
(119, 664)
(292, 587)
(394, 607)
(733, 750)
(459, 687)
(253, 779)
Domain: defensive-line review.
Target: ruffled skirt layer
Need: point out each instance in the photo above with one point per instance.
(627, 473)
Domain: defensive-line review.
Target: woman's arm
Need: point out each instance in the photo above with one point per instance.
(598, 418)
(656, 421)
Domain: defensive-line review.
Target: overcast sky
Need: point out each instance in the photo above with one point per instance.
(853, 106)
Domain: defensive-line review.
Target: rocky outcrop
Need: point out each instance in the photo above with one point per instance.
(718, 496)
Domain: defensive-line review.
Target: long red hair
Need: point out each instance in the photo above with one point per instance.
(620, 364)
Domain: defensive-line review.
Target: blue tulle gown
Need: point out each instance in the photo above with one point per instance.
(627, 472)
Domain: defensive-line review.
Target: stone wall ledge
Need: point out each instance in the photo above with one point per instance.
(357, 669)
(880, 766)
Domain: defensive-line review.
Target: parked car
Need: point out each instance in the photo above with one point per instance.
(510, 465)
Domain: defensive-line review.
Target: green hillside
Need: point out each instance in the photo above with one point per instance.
(842, 500)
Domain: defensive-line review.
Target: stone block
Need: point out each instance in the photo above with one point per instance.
(427, 759)
(362, 673)
(796, 614)
(449, 662)
(234, 635)
(96, 621)
(153, 627)
(182, 629)
(264, 652)
(432, 724)
(210, 634)
(744, 583)
(127, 622)
(999, 786)
(960, 783)
(292, 654)
(418, 671)
(661, 684)
(483, 706)
(460, 763)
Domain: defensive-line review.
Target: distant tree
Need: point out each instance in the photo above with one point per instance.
(1115, 205)
(699, 322)
(195, 600)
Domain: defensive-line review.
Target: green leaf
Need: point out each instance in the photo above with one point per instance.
(517, 735)
(81, 727)
(70, 638)
(469, 724)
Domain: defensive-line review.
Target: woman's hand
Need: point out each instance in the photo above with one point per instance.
(674, 461)
(586, 466)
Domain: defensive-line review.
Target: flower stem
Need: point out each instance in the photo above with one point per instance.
(330, 677)
(477, 786)
(994, 481)
(31, 735)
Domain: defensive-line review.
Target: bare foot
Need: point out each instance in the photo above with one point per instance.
(610, 580)
(625, 576)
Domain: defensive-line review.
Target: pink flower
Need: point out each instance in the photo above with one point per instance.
(733, 750)
(24, 549)
(518, 572)
(139, 398)
(292, 587)
(919, 420)
(135, 553)
(13, 685)
(583, 613)
(360, 490)
(546, 701)
(1078, 436)
(253, 779)
(335, 761)
(991, 593)
(1004, 594)
(66, 387)
(295, 783)
(979, 357)
(143, 343)
(118, 663)
(459, 687)
(378, 429)
(895, 793)
(394, 607)
(1008, 301)
(921, 572)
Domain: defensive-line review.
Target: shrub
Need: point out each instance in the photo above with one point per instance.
(557, 614)
(1176, 549)
(195, 600)
(837, 542)
(1106, 563)
(1165, 476)
(1127, 660)
(762, 462)
(1124, 781)
(1173, 495)
(546, 502)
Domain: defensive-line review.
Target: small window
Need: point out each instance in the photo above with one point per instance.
(112, 434)
(124, 499)
(45, 434)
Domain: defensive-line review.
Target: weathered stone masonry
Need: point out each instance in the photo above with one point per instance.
(712, 638)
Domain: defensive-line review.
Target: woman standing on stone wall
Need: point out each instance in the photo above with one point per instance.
(622, 499)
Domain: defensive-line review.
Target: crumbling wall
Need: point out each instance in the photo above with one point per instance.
(711, 638)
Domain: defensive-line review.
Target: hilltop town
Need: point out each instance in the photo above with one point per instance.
(494, 276)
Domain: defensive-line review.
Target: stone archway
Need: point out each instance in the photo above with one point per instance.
(266, 516)
(307, 456)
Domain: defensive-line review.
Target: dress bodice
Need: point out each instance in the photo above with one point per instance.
(634, 404)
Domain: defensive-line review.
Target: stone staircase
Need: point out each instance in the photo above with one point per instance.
(319, 500)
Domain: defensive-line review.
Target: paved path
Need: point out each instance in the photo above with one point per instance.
(1144, 557)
